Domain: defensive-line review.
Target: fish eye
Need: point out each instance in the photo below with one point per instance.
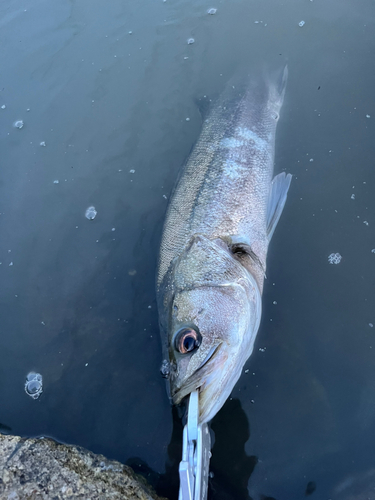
(187, 340)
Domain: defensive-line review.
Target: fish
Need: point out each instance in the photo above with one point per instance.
(212, 260)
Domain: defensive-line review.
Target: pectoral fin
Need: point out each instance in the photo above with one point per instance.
(276, 202)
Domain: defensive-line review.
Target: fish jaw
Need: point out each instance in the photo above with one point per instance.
(219, 385)
(215, 383)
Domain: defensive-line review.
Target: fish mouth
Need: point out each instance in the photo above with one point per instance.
(197, 379)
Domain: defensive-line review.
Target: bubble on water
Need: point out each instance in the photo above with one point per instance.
(187, 119)
(165, 369)
(365, 222)
(262, 349)
(368, 116)
(34, 385)
(353, 196)
(3, 106)
(212, 11)
(132, 272)
(43, 144)
(113, 229)
(91, 213)
(373, 250)
(132, 171)
(130, 32)
(301, 23)
(334, 258)
(190, 41)
(18, 123)
(311, 159)
(56, 181)
(371, 325)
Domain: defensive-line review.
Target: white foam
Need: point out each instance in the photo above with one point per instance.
(334, 258)
(91, 213)
(34, 385)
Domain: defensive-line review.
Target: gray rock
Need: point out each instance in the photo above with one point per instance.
(39, 469)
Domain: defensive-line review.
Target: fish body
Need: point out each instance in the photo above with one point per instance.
(213, 252)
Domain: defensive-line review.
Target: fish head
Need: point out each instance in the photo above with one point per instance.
(212, 327)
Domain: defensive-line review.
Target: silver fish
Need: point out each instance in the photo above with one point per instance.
(212, 262)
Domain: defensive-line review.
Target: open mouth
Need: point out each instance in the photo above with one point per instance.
(197, 379)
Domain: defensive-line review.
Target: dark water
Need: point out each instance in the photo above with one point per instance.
(78, 304)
